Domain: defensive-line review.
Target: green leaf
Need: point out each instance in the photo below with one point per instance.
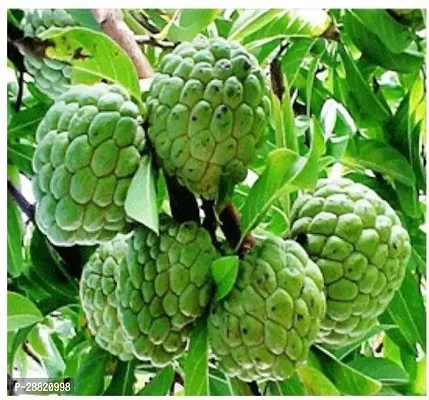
(239, 388)
(295, 57)
(405, 129)
(219, 386)
(331, 110)
(310, 81)
(21, 312)
(385, 371)
(122, 380)
(141, 201)
(24, 123)
(196, 364)
(14, 342)
(395, 36)
(347, 349)
(89, 380)
(308, 176)
(345, 378)
(14, 239)
(250, 21)
(278, 120)
(315, 383)
(418, 386)
(20, 155)
(224, 271)
(407, 311)
(295, 23)
(408, 197)
(190, 23)
(55, 278)
(282, 167)
(291, 387)
(84, 18)
(94, 57)
(372, 112)
(378, 156)
(43, 344)
(291, 140)
(262, 49)
(375, 50)
(160, 384)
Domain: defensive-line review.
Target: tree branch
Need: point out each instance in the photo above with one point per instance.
(26, 207)
(253, 386)
(147, 39)
(231, 227)
(183, 205)
(113, 25)
(210, 222)
(277, 82)
(70, 255)
(20, 90)
(23, 45)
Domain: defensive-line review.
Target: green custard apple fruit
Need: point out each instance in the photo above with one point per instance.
(51, 77)
(89, 146)
(263, 328)
(98, 286)
(209, 109)
(164, 287)
(362, 249)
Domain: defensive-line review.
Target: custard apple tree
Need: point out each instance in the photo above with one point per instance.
(217, 202)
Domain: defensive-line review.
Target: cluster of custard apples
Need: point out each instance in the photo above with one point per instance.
(343, 259)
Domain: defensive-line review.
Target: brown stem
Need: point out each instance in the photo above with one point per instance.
(31, 353)
(146, 39)
(70, 255)
(26, 207)
(210, 222)
(20, 90)
(183, 205)
(177, 379)
(113, 25)
(231, 227)
(23, 44)
(277, 80)
(10, 385)
(254, 388)
(331, 32)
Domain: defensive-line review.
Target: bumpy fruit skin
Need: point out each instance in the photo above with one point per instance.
(51, 77)
(264, 327)
(208, 108)
(164, 287)
(98, 287)
(89, 147)
(362, 249)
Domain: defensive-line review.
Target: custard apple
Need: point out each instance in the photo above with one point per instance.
(89, 147)
(164, 286)
(98, 286)
(51, 77)
(362, 249)
(263, 328)
(208, 108)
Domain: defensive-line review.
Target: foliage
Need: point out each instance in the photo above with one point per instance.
(349, 99)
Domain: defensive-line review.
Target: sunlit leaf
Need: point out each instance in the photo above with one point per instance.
(141, 200)
(21, 312)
